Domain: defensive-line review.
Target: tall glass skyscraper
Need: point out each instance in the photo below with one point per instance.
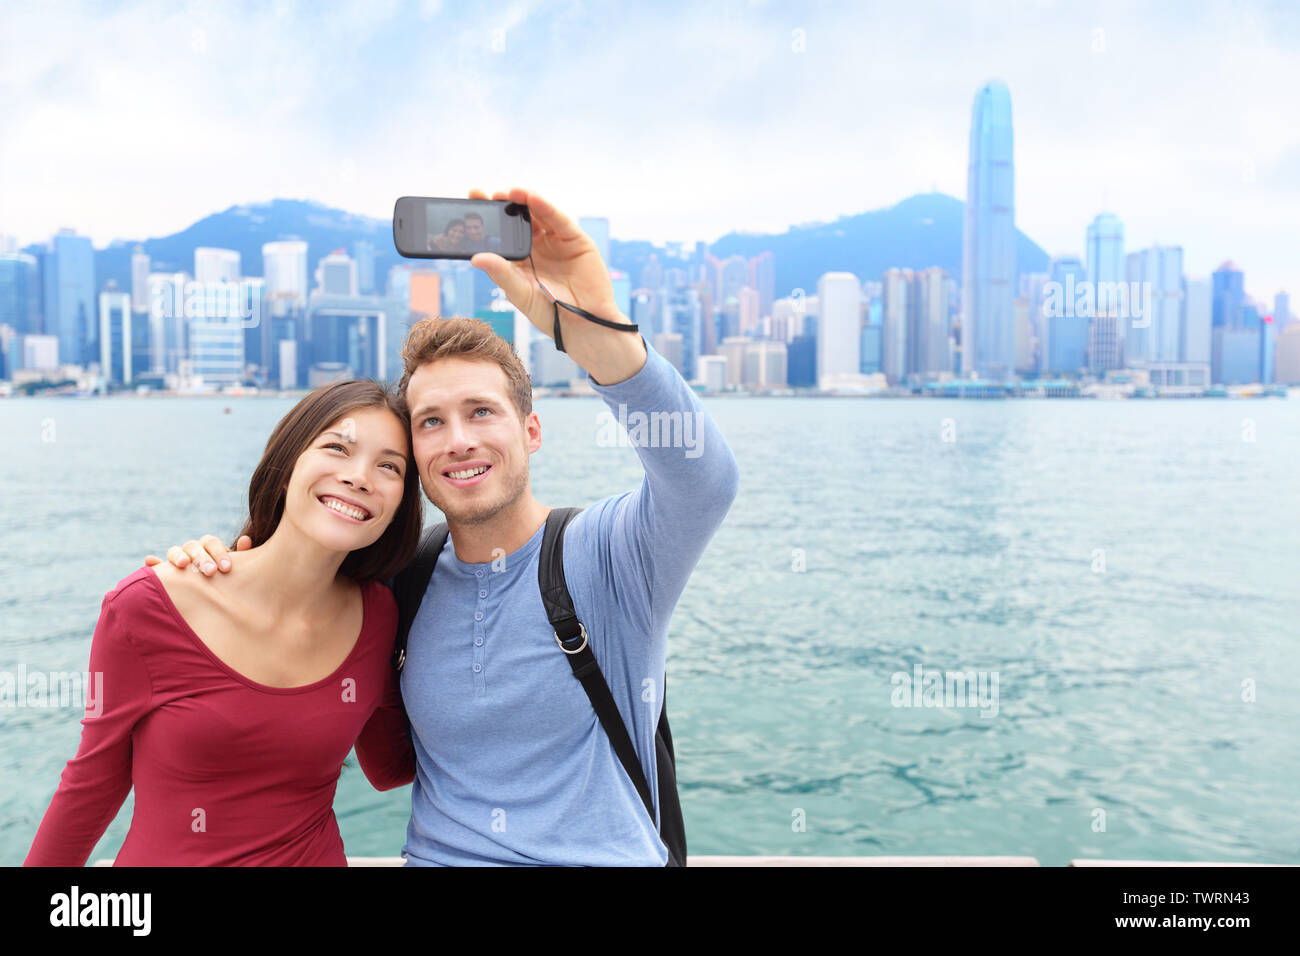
(1229, 295)
(1067, 331)
(20, 294)
(70, 313)
(1155, 337)
(1106, 249)
(989, 244)
(1106, 265)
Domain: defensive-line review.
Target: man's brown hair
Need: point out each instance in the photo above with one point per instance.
(434, 338)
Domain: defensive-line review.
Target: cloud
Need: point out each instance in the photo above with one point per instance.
(676, 121)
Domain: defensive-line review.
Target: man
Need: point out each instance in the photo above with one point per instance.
(513, 766)
(476, 239)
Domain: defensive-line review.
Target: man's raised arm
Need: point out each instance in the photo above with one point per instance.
(691, 478)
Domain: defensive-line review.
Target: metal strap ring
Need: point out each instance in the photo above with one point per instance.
(582, 631)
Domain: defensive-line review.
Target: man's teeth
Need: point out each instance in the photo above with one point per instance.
(468, 473)
(341, 508)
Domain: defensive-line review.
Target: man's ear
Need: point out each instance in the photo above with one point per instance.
(533, 429)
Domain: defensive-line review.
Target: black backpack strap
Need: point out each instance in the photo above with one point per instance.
(572, 638)
(411, 583)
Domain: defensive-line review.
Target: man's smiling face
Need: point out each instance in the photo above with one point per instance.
(468, 440)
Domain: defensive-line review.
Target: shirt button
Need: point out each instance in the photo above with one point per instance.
(478, 615)
(479, 573)
(477, 668)
(482, 594)
(478, 641)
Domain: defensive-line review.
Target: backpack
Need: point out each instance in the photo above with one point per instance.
(409, 587)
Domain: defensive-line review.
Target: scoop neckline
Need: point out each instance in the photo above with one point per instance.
(244, 679)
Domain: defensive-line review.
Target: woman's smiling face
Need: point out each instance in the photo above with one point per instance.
(347, 486)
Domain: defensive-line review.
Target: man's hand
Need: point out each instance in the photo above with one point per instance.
(205, 555)
(569, 265)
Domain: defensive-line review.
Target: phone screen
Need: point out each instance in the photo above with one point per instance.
(431, 228)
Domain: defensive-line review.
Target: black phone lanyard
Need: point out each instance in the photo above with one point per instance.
(556, 304)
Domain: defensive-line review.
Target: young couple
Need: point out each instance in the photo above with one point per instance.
(231, 699)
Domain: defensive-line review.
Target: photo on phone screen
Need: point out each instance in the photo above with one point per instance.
(432, 228)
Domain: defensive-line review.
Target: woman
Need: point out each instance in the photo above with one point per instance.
(231, 704)
(452, 239)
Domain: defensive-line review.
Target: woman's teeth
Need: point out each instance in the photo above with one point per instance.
(336, 505)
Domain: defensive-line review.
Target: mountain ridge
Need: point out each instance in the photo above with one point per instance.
(917, 232)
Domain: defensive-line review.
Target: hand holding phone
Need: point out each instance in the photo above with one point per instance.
(564, 266)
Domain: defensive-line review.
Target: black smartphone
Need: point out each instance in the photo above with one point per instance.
(426, 227)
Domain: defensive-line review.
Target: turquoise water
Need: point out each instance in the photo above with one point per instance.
(1123, 569)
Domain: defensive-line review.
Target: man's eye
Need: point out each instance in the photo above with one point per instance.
(483, 408)
(430, 419)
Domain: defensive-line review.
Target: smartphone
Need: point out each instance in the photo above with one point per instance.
(426, 227)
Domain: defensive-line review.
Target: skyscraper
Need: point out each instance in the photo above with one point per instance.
(1105, 262)
(683, 317)
(363, 250)
(68, 269)
(1154, 337)
(284, 265)
(1229, 295)
(1282, 310)
(1235, 339)
(20, 293)
(140, 266)
(336, 274)
(168, 331)
(1067, 329)
(931, 321)
(117, 336)
(216, 265)
(839, 336)
(747, 300)
(989, 243)
(896, 294)
(1198, 312)
(762, 277)
(1105, 250)
(733, 275)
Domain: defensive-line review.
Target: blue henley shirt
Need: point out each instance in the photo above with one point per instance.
(513, 766)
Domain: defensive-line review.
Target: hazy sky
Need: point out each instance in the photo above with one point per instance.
(677, 121)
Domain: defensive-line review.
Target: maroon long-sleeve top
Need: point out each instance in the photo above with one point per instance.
(226, 771)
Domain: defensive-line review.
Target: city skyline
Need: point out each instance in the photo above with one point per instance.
(151, 89)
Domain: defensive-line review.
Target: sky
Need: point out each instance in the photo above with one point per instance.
(677, 121)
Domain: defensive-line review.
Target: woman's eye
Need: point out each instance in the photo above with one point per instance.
(335, 444)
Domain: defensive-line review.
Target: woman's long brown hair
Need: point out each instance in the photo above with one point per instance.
(396, 547)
